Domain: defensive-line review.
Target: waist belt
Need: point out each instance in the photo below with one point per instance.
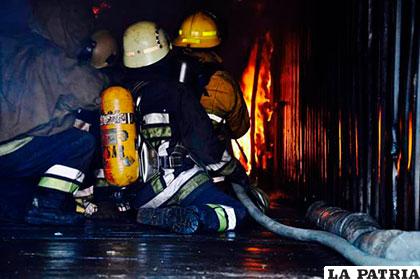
(172, 161)
(178, 158)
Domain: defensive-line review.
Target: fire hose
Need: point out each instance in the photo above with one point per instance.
(337, 243)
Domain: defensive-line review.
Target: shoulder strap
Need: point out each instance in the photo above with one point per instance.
(135, 89)
(197, 74)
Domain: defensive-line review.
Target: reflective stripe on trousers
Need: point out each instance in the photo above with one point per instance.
(62, 178)
(226, 216)
(172, 188)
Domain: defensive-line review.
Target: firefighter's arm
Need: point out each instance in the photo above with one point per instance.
(197, 131)
(79, 86)
(237, 117)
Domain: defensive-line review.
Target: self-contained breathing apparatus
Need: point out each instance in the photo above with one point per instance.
(120, 134)
(151, 162)
(118, 137)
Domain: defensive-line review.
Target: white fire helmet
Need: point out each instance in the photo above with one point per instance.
(144, 44)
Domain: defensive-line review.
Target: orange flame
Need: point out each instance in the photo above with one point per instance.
(263, 107)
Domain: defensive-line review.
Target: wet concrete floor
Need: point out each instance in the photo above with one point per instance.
(102, 249)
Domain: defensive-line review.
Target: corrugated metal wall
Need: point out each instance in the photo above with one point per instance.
(350, 115)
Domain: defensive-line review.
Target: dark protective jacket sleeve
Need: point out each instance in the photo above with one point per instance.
(197, 131)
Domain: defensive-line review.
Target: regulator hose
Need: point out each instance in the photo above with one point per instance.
(342, 246)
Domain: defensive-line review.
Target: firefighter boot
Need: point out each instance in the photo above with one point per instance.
(52, 207)
(183, 220)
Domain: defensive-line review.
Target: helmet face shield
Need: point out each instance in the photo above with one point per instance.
(198, 31)
(144, 44)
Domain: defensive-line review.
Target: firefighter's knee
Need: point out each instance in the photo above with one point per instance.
(86, 143)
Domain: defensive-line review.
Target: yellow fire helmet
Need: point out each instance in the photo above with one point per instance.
(198, 31)
(144, 44)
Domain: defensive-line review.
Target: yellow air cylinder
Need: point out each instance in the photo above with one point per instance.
(119, 137)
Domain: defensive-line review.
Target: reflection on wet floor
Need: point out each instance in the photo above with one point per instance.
(103, 249)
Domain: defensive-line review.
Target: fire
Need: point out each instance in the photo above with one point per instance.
(253, 143)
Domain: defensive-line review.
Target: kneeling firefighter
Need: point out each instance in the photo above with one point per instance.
(43, 158)
(221, 96)
(176, 138)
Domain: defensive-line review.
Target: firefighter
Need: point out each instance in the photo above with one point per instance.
(201, 68)
(43, 157)
(176, 142)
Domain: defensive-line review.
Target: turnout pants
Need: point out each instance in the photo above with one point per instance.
(56, 162)
(218, 211)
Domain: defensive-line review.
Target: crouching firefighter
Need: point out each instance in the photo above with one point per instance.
(200, 67)
(176, 137)
(43, 158)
